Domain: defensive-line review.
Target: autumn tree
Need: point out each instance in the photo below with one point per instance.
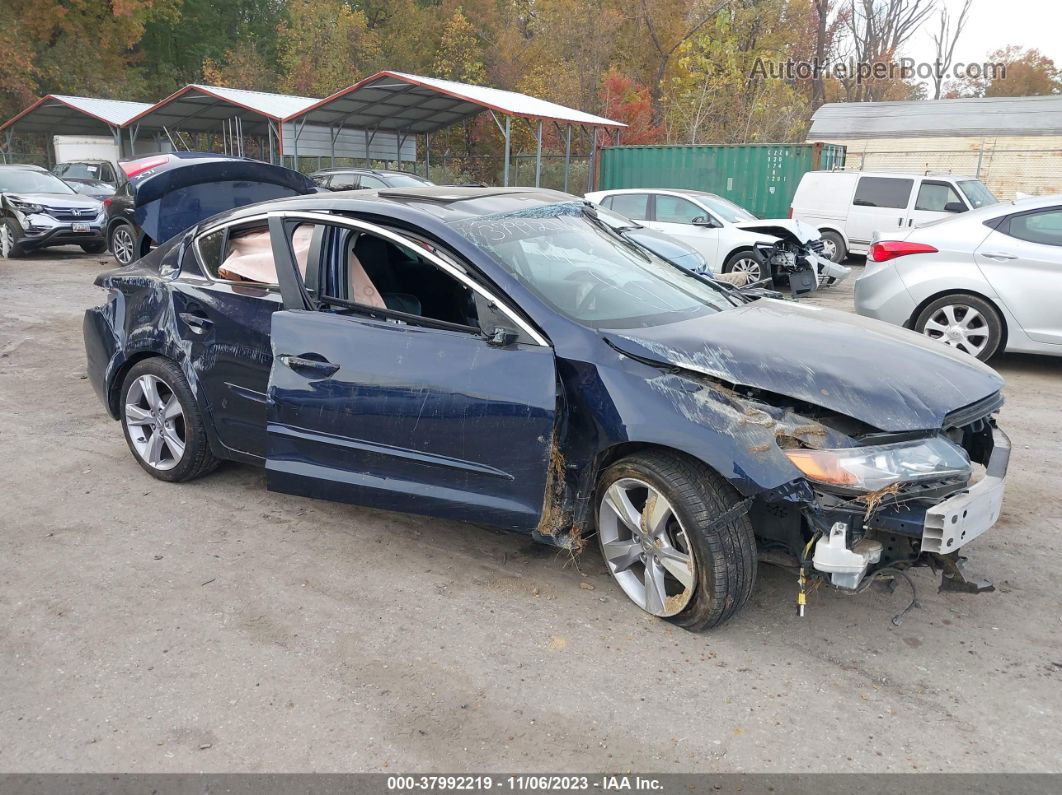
(875, 31)
(459, 56)
(625, 100)
(323, 46)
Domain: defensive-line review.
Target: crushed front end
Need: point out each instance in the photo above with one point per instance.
(894, 501)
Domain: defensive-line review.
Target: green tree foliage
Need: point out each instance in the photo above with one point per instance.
(674, 70)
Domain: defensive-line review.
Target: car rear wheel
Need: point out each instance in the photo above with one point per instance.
(658, 528)
(747, 262)
(833, 247)
(965, 322)
(162, 423)
(122, 243)
(8, 235)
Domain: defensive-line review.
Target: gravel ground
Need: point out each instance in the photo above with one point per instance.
(214, 626)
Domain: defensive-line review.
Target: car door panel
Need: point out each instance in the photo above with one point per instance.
(415, 419)
(930, 197)
(703, 238)
(1027, 277)
(233, 375)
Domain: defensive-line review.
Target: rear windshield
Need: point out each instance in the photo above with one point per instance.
(582, 269)
(17, 181)
(977, 193)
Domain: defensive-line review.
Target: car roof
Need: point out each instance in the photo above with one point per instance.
(677, 191)
(22, 167)
(441, 203)
(356, 170)
(85, 160)
(899, 174)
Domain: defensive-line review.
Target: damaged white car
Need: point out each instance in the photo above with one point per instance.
(729, 237)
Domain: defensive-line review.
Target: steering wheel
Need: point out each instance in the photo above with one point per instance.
(588, 276)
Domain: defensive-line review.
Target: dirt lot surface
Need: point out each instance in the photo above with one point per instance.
(215, 626)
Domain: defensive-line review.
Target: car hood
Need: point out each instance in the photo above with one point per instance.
(666, 247)
(787, 229)
(887, 377)
(63, 200)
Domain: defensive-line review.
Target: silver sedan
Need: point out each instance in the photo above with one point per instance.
(984, 281)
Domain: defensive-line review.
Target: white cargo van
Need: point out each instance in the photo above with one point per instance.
(848, 207)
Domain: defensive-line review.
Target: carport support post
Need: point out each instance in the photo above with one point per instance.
(593, 159)
(567, 156)
(427, 155)
(538, 154)
(508, 149)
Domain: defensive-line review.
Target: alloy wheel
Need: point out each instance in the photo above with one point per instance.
(155, 421)
(747, 265)
(959, 326)
(646, 548)
(829, 249)
(122, 244)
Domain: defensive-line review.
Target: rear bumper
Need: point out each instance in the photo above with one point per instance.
(881, 294)
(101, 353)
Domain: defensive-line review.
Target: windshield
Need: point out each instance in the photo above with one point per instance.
(19, 181)
(406, 181)
(977, 193)
(727, 210)
(587, 273)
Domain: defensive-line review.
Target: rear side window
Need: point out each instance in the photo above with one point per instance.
(372, 182)
(1043, 227)
(936, 196)
(883, 192)
(344, 182)
(245, 254)
(633, 205)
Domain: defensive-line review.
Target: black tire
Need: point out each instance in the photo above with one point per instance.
(14, 250)
(123, 254)
(724, 557)
(991, 331)
(732, 264)
(94, 248)
(197, 459)
(839, 248)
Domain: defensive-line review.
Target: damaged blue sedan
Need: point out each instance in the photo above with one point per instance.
(503, 357)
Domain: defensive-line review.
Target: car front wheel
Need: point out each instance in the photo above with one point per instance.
(122, 243)
(833, 247)
(965, 322)
(748, 262)
(8, 236)
(668, 542)
(162, 423)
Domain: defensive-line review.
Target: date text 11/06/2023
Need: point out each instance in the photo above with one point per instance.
(522, 783)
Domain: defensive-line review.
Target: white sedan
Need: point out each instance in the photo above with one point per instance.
(984, 281)
(724, 233)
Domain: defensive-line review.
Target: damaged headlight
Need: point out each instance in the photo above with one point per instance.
(25, 207)
(879, 466)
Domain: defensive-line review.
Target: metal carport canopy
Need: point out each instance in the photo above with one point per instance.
(399, 102)
(58, 114)
(232, 111)
(408, 104)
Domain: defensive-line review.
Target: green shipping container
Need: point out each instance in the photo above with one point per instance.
(762, 178)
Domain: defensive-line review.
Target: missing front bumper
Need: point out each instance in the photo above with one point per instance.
(962, 517)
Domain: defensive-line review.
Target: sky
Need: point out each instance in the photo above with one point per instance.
(994, 24)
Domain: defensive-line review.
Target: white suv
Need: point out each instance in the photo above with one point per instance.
(850, 207)
(725, 234)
